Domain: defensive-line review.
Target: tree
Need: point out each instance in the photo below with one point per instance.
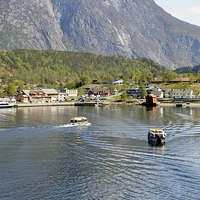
(171, 94)
(168, 76)
(136, 79)
(111, 79)
(5, 77)
(0, 69)
(70, 85)
(21, 87)
(143, 77)
(11, 89)
(81, 91)
(85, 79)
(124, 96)
(112, 89)
(192, 78)
(125, 78)
(143, 92)
(174, 75)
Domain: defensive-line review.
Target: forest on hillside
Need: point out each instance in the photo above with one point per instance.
(56, 68)
(188, 69)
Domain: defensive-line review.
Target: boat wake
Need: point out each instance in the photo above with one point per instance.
(74, 125)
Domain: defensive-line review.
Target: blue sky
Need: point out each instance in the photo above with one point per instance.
(186, 10)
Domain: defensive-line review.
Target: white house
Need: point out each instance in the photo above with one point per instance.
(151, 89)
(64, 93)
(179, 93)
(158, 93)
(118, 82)
(133, 91)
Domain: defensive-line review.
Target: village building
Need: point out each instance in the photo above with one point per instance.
(133, 92)
(65, 93)
(99, 91)
(151, 89)
(105, 82)
(131, 82)
(95, 81)
(180, 80)
(179, 93)
(118, 82)
(158, 93)
(151, 99)
(196, 95)
(156, 80)
(22, 96)
(37, 96)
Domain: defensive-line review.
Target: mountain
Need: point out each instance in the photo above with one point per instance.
(131, 28)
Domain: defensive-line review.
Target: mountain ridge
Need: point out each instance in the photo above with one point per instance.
(131, 28)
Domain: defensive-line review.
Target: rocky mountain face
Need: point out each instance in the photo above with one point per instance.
(131, 28)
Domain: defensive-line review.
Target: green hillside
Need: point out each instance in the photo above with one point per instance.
(185, 70)
(54, 68)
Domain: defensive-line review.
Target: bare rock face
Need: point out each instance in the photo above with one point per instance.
(131, 28)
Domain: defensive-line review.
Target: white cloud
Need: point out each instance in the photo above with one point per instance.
(194, 10)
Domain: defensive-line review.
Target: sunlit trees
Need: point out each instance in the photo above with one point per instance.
(11, 89)
(84, 80)
(43, 68)
(124, 96)
(81, 91)
(143, 92)
(70, 85)
(171, 94)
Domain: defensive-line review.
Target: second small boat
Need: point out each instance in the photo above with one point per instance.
(79, 121)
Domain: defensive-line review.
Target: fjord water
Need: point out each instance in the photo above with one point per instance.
(42, 157)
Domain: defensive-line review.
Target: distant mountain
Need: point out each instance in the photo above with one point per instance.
(131, 28)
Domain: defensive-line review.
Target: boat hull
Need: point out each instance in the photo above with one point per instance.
(180, 104)
(79, 121)
(6, 106)
(100, 105)
(153, 140)
(79, 124)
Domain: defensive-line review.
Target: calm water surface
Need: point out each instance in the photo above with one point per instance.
(42, 157)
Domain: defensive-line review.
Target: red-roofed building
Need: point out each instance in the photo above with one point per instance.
(179, 80)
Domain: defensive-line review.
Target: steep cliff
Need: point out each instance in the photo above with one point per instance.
(132, 28)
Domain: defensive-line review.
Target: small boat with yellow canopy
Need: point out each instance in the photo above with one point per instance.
(156, 136)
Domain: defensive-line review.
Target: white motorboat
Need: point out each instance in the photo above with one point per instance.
(156, 136)
(6, 104)
(100, 104)
(79, 121)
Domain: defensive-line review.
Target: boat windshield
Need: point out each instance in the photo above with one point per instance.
(78, 120)
(157, 131)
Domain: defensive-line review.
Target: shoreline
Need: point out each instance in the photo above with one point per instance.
(93, 104)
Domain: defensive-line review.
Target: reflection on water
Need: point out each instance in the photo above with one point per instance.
(43, 157)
